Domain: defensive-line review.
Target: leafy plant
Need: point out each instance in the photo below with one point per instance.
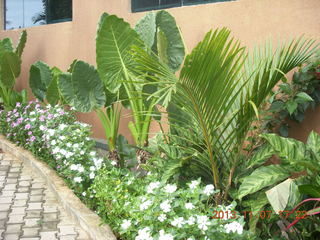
(217, 98)
(10, 67)
(293, 98)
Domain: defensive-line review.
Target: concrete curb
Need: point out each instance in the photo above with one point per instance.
(88, 220)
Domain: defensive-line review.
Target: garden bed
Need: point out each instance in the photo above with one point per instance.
(87, 219)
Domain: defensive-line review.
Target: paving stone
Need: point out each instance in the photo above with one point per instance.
(5, 206)
(18, 210)
(69, 237)
(3, 173)
(36, 192)
(49, 226)
(37, 185)
(33, 214)
(29, 238)
(49, 217)
(3, 215)
(12, 180)
(66, 230)
(4, 168)
(20, 203)
(32, 222)
(23, 189)
(10, 187)
(2, 223)
(35, 206)
(15, 170)
(48, 235)
(13, 228)
(13, 175)
(7, 193)
(50, 209)
(36, 198)
(30, 232)
(22, 196)
(6, 200)
(13, 236)
(13, 219)
(24, 183)
(2, 178)
(25, 178)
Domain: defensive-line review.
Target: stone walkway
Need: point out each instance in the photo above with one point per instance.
(28, 209)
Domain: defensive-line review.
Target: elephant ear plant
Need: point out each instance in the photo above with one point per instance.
(156, 32)
(10, 68)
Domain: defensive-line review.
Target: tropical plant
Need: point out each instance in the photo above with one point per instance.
(156, 32)
(217, 97)
(10, 68)
(293, 98)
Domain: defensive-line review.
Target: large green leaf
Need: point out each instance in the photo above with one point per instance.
(175, 46)
(313, 145)
(39, 79)
(53, 94)
(261, 178)
(311, 190)
(22, 43)
(10, 68)
(114, 41)
(287, 148)
(146, 28)
(260, 156)
(86, 88)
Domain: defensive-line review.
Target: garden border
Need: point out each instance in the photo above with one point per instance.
(87, 219)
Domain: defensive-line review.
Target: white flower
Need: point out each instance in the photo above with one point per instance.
(189, 206)
(162, 217)
(234, 227)
(53, 142)
(62, 138)
(208, 190)
(56, 150)
(76, 145)
(92, 154)
(92, 175)
(125, 224)
(69, 144)
(191, 238)
(84, 194)
(191, 220)
(42, 128)
(92, 168)
(178, 222)
(194, 184)
(74, 167)
(80, 169)
(69, 154)
(165, 236)
(63, 152)
(113, 163)
(32, 113)
(82, 152)
(170, 188)
(152, 186)
(145, 205)
(51, 132)
(165, 206)
(77, 179)
(203, 222)
(62, 126)
(144, 234)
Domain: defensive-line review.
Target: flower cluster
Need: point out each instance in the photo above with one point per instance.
(155, 210)
(54, 135)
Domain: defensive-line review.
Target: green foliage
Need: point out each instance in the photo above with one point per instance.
(40, 79)
(10, 68)
(292, 99)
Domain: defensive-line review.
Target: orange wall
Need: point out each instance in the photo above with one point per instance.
(252, 21)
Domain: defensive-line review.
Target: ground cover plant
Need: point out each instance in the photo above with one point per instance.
(194, 181)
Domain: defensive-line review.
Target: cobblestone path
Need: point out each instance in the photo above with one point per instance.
(28, 209)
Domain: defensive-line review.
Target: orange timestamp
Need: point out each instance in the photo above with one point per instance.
(228, 214)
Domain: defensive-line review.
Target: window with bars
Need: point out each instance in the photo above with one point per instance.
(145, 5)
(27, 13)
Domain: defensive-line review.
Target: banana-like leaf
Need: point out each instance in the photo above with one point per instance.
(175, 50)
(6, 45)
(66, 88)
(40, 79)
(53, 95)
(114, 41)
(261, 178)
(313, 145)
(261, 155)
(86, 87)
(10, 68)
(146, 28)
(287, 148)
(22, 43)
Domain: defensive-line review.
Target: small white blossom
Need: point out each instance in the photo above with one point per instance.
(92, 154)
(92, 175)
(208, 190)
(62, 138)
(92, 168)
(191, 220)
(170, 188)
(53, 142)
(165, 206)
(189, 206)
(203, 222)
(125, 224)
(145, 205)
(76, 145)
(194, 184)
(113, 163)
(152, 186)
(162, 217)
(165, 236)
(69, 144)
(84, 194)
(144, 234)
(234, 227)
(178, 222)
(77, 179)
(42, 128)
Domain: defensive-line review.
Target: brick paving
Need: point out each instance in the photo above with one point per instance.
(28, 209)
